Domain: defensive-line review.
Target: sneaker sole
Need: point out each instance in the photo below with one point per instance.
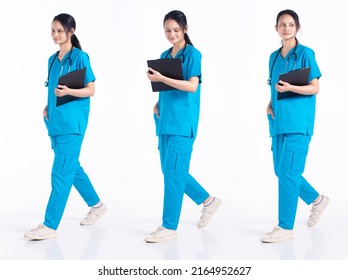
(41, 237)
(278, 239)
(148, 240)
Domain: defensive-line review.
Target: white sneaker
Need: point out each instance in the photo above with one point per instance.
(93, 215)
(161, 234)
(41, 232)
(208, 212)
(278, 234)
(317, 211)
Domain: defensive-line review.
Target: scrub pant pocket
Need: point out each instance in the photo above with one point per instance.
(178, 155)
(296, 150)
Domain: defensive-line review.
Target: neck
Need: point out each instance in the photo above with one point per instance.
(64, 49)
(288, 45)
(177, 47)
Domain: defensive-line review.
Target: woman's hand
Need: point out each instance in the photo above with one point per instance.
(156, 110)
(45, 113)
(61, 90)
(282, 86)
(153, 75)
(269, 110)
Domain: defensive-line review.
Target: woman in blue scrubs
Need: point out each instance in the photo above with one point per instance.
(291, 123)
(176, 115)
(66, 125)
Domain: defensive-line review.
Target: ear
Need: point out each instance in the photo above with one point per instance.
(185, 29)
(71, 32)
(276, 27)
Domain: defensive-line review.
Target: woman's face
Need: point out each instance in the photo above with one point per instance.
(174, 33)
(58, 33)
(286, 27)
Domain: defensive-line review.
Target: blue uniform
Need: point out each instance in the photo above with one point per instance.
(66, 127)
(291, 131)
(176, 130)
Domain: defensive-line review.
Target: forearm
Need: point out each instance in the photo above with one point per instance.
(188, 86)
(310, 89)
(87, 91)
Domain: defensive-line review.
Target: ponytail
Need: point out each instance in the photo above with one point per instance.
(75, 42)
(187, 39)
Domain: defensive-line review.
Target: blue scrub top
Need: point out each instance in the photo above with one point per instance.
(72, 117)
(295, 114)
(179, 110)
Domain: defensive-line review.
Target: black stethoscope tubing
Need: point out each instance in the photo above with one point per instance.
(269, 81)
(55, 57)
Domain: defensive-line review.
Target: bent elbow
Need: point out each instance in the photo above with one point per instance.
(316, 91)
(193, 89)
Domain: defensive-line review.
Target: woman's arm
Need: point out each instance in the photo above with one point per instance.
(310, 89)
(188, 86)
(87, 91)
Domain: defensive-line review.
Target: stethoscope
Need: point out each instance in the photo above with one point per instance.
(177, 56)
(61, 69)
(293, 53)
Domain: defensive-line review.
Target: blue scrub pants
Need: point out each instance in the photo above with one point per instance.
(66, 171)
(175, 154)
(289, 158)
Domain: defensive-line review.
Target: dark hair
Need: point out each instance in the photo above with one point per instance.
(292, 14)
(180, 18)
(68, 23)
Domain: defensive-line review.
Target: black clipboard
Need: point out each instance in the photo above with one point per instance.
(169, 67)
(298, 77)
(75, 80)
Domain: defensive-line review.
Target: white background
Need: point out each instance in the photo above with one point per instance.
(231, 158)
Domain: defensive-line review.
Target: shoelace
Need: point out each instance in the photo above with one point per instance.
(41, 226)
(94, 211)
(275, 229)
(90, 213)
(314, 210)
(159, 229)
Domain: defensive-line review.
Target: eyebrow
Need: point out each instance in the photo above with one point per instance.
(285, 22)
(175, 28)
